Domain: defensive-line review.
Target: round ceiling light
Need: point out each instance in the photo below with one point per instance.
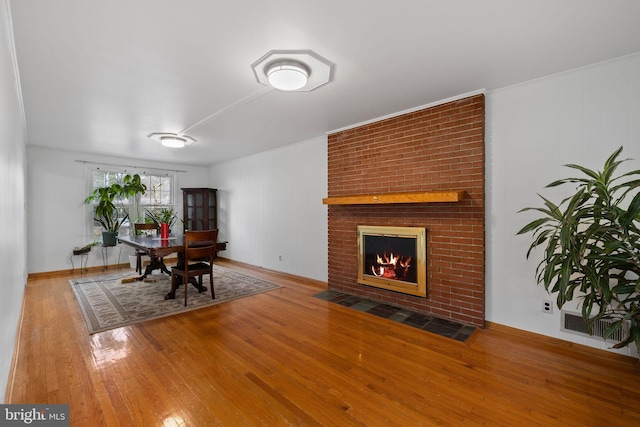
(171, 140)
(287, 75)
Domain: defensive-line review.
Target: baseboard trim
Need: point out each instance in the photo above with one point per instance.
(89, 270)
(8, 394)
(115, 267)
(289, 276)
(552, 342)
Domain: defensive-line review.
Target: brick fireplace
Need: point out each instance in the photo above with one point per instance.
(440, 151)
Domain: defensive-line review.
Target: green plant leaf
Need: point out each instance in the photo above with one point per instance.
(591, 243)
(566, 181)
(591, 174)
(533, 225)
(632, 213)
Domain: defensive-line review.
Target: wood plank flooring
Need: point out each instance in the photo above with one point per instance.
(284, 358)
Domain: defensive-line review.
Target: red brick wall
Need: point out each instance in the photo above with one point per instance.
(439, 148)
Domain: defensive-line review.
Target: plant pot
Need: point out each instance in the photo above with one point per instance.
(81, 250)
(164, 230)
(109, 238)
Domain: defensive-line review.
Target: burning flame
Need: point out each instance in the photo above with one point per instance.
(391, 266)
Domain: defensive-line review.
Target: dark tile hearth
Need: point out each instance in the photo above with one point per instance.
(445, 328)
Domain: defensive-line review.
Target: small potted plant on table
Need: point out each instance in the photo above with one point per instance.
(162, 216)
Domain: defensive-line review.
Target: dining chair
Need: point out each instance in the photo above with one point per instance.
(199, 252)
(139, 228)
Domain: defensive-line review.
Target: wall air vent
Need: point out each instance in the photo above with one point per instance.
(575, 324)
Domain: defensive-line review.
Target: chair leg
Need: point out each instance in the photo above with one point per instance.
(213, 294)
(139, 263)
(185, 284)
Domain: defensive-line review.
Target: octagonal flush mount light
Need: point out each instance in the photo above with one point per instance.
(172, 140)
(292, 70)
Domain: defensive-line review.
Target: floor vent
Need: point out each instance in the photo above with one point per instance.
(575, 324)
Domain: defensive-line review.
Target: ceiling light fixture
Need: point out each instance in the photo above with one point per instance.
(287, 75)
(292, 70)
(171, 140)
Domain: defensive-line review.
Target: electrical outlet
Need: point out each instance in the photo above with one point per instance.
(279, 257)
(547, 306)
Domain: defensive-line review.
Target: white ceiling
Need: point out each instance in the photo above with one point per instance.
(98, 76)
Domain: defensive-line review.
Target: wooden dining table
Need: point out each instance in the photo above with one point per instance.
(157, 248)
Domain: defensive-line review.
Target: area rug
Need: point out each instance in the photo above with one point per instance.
(107, 303)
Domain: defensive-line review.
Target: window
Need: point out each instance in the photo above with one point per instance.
(159, 190)
(159, 194)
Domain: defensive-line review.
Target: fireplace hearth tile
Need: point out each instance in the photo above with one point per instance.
(401, 315)
(445, 323)
(328, 295)
(364, 305)
(442, 327)
(346, 300)
(418, 320)
(384, 310)
(464, 333)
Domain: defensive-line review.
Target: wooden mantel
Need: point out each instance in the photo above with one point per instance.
(389, 198)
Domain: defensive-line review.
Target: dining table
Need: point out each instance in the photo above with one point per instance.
(157, 248)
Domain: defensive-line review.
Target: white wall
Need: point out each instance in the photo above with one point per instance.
(12, 201)
(270, 205)
(533, 129)
(57, 217)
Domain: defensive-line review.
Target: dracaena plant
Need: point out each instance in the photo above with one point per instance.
(591, 244)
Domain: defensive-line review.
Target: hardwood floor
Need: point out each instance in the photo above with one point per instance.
(286, 358)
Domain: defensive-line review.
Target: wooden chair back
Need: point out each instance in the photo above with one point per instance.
(137, 228)
(200, 245)
(199, 251)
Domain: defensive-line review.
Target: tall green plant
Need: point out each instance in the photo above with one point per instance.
(110, 212)
(592, 245)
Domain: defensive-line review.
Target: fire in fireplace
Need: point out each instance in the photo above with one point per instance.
(393, 258)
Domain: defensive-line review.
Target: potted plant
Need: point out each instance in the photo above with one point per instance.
(591, 244)
(79, 250)
(162, 216)
(110, 212)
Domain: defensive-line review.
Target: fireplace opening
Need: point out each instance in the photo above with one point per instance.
(393, 258)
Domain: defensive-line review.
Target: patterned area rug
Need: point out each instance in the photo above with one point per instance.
(107, 303)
